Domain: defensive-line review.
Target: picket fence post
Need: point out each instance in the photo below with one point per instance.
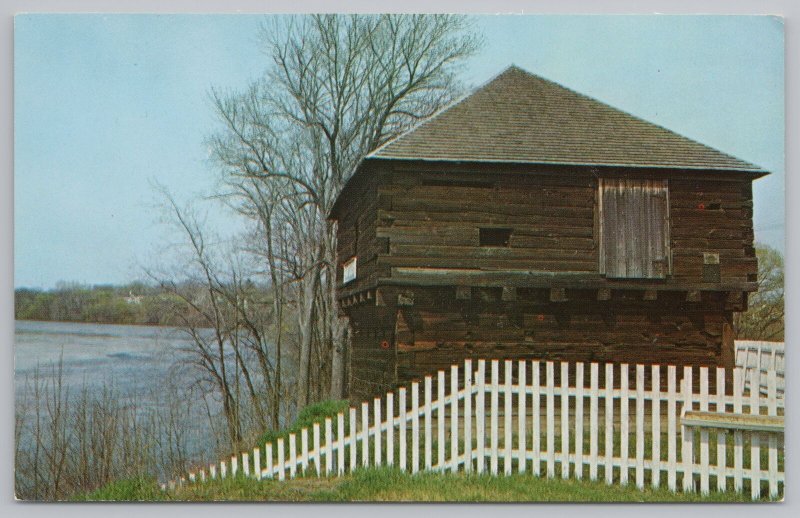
(317, 450)
(390, 429)
(772, 409)
(507, 409)
(414, 427)
(427, 410)
(353, 438)
(365, 434)
(340, 443)
(536, 425)
(755, 438)
(672, 447)
(468, 452)
(687, 434)
(268, 459)
(402, 411)
(624, 452)
(551, 461)
(493, 417)
(593, 411)
(722, 459)
(655, 422)
(609, 446)
(454, 418)
(522, 416)
(328, 446)
(378, 438)
(292, 455)
(640, 426)
(480, 410)
(440, 406)
(281, 460)
(704, 446)
(304, 450)
(564, 420)
(579, 420)
(738, 436)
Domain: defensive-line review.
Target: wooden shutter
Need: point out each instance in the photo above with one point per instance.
(634, 228)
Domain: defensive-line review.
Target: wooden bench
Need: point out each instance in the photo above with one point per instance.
(731, 421)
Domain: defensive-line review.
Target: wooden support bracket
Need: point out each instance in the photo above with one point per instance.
(558, 295)
(463, 293)
(693, 296)
(604, 294)
(509, 294)
(650, 295)
(405, 299)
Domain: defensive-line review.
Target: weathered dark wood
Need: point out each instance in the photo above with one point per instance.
(509, 294)
(425, 282)
(634, 228)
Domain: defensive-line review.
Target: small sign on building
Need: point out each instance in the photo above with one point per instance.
(349, 273)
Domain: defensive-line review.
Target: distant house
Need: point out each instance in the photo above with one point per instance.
(530, 221)
(133, 299)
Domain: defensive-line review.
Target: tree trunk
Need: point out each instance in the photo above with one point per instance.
(305, 322)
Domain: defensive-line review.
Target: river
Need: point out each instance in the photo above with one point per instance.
(142, 364)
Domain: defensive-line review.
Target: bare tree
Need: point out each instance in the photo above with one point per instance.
(764, 318)
(338, 87)
(227, 321)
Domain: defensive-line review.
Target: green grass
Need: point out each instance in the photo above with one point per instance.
(127, 490)
(311, 414)
(388, 485)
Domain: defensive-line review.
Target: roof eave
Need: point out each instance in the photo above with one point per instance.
(751, 170)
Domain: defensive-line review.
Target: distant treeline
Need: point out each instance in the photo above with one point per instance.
(135, 303)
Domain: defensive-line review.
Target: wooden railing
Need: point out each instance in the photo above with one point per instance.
(761, 356)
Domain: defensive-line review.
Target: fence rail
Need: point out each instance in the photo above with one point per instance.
(550, 419)
(762, 357)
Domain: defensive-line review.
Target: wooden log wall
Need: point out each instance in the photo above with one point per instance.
(435, 221)
(712, 216)
(356, 235)
(403, 216)
(440, 329)
(373, 357)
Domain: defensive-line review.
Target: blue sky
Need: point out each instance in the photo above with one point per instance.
(106, 104)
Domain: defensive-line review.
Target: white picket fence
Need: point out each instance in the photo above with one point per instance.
(629, 432)
(761, 356)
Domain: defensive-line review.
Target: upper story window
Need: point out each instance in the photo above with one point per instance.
(350, 270)
(634, 228)
(498, 237)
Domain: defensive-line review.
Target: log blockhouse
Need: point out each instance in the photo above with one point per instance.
(529, 221)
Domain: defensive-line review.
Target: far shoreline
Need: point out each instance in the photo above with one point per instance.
(131, 324)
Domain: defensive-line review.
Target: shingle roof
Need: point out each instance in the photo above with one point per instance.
(521, 117)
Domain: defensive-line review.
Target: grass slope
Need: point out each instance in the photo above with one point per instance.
(388, 485)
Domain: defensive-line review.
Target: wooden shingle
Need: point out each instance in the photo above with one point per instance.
(522, 118)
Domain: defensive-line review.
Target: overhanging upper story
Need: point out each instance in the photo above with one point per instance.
(526, 184)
